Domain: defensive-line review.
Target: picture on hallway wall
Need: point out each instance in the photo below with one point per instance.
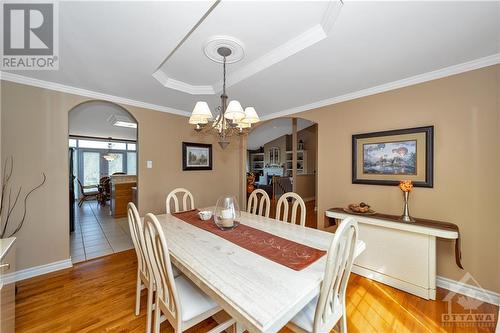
(384, 158)
(196, 156)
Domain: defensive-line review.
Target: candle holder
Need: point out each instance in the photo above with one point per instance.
(227, 211)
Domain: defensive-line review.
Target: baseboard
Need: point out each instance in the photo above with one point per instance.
(309, 199)
(27, 273)
(479, 293)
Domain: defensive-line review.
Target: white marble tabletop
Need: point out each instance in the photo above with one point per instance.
(259, 293)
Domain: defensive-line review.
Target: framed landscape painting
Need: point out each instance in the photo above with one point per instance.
(385, 158)
(196, 156)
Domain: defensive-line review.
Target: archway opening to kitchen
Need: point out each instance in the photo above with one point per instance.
(102, 178)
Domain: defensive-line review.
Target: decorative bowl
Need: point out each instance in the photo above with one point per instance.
(205, 215)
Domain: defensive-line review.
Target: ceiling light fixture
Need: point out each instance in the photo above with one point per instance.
(109, 156)
(127, 124)
(231, 118)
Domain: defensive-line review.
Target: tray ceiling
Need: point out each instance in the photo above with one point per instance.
(109, 50)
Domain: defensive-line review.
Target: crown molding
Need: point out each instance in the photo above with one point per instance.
(5, 76)
(421, 78)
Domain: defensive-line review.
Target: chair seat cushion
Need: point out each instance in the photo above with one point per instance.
(193, 301)
(305, 318)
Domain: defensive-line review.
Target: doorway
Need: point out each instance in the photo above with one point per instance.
(270, 151)
(103, 178)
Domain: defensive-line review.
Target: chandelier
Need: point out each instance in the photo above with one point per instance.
(109, 156)
(231, 119)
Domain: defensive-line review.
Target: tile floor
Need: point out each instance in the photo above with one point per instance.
(97, 233)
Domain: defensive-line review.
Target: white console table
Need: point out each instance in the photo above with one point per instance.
(401, 255)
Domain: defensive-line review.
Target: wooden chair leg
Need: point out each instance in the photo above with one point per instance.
(138, 295)
(157, 319)
(149, 309)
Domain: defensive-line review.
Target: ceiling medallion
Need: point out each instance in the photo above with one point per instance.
(231, 119)
(214, 44)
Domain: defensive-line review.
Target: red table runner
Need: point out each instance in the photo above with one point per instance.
(280, 250)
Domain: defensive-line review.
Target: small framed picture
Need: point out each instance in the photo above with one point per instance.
(385, 158)
(196, 156)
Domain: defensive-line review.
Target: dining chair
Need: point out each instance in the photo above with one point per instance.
(172, 196)
(144, 278)
(297, 201)
(256, 207)
(180, 301)
(328, 307)
(87, 192)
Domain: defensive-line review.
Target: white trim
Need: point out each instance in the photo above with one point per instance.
(426, 293)
(5, 76)
(37, 270)
(468, 290)
(181, 85)
(421, 78)
(429, 76)
(302, 41)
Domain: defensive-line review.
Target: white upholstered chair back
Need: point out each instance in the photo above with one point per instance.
(259, 207)
(187, 197)
(159, 260)
(284, 206)
(338, 268)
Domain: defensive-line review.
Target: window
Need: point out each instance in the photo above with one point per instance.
(72, 143)
(92, 144)
(115, 165)
(91, 168)
(132, 163)
(131, 146)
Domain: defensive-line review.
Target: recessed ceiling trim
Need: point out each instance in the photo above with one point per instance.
(182, 86)
(304, 40)
(87, 93)
(491, 60)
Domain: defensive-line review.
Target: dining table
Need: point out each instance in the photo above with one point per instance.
(262, 295)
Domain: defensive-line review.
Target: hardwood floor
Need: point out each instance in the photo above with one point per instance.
(98, 296)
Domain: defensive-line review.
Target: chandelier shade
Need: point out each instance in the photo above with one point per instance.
(201, 111)
(234, 111)
(251, 116)
(194, 120)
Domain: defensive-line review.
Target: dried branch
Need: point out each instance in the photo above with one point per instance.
(10, 205)
(26, 204)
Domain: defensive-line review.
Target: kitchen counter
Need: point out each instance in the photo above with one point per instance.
(122, 193)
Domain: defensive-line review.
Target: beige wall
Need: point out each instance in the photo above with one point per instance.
(35, 131)
(310, 137)
(465, 112)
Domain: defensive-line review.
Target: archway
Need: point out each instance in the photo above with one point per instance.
(103, 152)
(270, 157)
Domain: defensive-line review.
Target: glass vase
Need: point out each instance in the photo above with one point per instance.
(227, 212)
